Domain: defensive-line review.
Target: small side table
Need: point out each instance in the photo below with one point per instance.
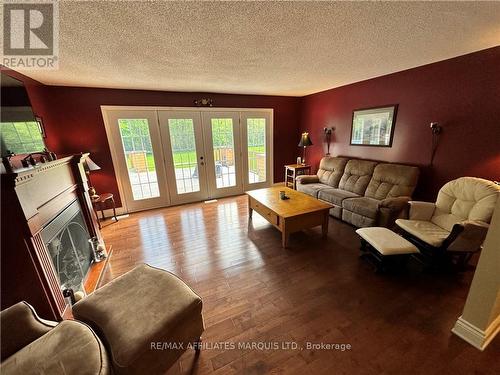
(292, 171)
(101, 202)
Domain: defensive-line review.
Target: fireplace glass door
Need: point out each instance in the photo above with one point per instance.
(67, 240)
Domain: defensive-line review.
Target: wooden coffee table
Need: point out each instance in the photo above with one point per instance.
(299, 212)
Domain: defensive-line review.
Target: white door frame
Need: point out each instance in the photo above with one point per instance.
(202, 194)
(105, 109)
(213, 191)
(269, 147)
(118, 158)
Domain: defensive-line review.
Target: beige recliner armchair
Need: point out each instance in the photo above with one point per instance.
(457, 223)
(32, 345)
(139, 323)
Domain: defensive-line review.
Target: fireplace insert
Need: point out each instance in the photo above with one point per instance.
(67, 240)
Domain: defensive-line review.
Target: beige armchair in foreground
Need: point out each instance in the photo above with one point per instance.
(456, 225)
(139, 323)
(31, 345)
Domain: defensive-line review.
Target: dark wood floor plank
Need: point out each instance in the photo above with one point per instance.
(318, 290)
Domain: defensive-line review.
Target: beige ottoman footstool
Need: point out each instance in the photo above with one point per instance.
(386, 248)
(146, 318)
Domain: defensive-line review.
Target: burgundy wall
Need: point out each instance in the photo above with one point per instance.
(73, 120)
(462, 94)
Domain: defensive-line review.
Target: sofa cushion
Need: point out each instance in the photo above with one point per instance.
(69, 348)
(312, 189)
(425, 230)
(331, 169)
(392, 180)
(466, 198)
(357, 175)
(363, 205)
(335, 196)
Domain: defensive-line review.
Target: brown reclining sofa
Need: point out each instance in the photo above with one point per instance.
(364, 193)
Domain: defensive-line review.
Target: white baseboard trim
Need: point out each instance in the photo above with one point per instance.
(475, 336)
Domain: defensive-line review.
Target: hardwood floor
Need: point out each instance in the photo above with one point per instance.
(317, 291)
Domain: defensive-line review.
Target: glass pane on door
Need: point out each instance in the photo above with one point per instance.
(183, 144)
(139, 157)
(223, 146)
(256, 141)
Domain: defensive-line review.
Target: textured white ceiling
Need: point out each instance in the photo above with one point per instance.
(276, 48)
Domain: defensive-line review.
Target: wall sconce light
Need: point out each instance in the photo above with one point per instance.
(204, 102)
(328, 138)
(436, 130)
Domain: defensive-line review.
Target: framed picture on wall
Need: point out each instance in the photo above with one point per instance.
(373, 126)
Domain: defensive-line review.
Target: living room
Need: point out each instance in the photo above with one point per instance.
(251, 187)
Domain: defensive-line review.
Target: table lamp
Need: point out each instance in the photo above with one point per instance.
(91, 166)
(305, 141)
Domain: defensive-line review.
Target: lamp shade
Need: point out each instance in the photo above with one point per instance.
(305, 140)
(91, 166)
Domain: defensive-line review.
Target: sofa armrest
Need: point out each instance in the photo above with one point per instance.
(421, 210)
(21, 326)
(307, 179)
(469, 236)
(395, 203)
(390, 209)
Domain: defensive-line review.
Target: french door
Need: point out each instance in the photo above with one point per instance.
(137, 157)
(221, 131)
(182, 144)
(256, 140)
(188, 155)
(202, 153)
